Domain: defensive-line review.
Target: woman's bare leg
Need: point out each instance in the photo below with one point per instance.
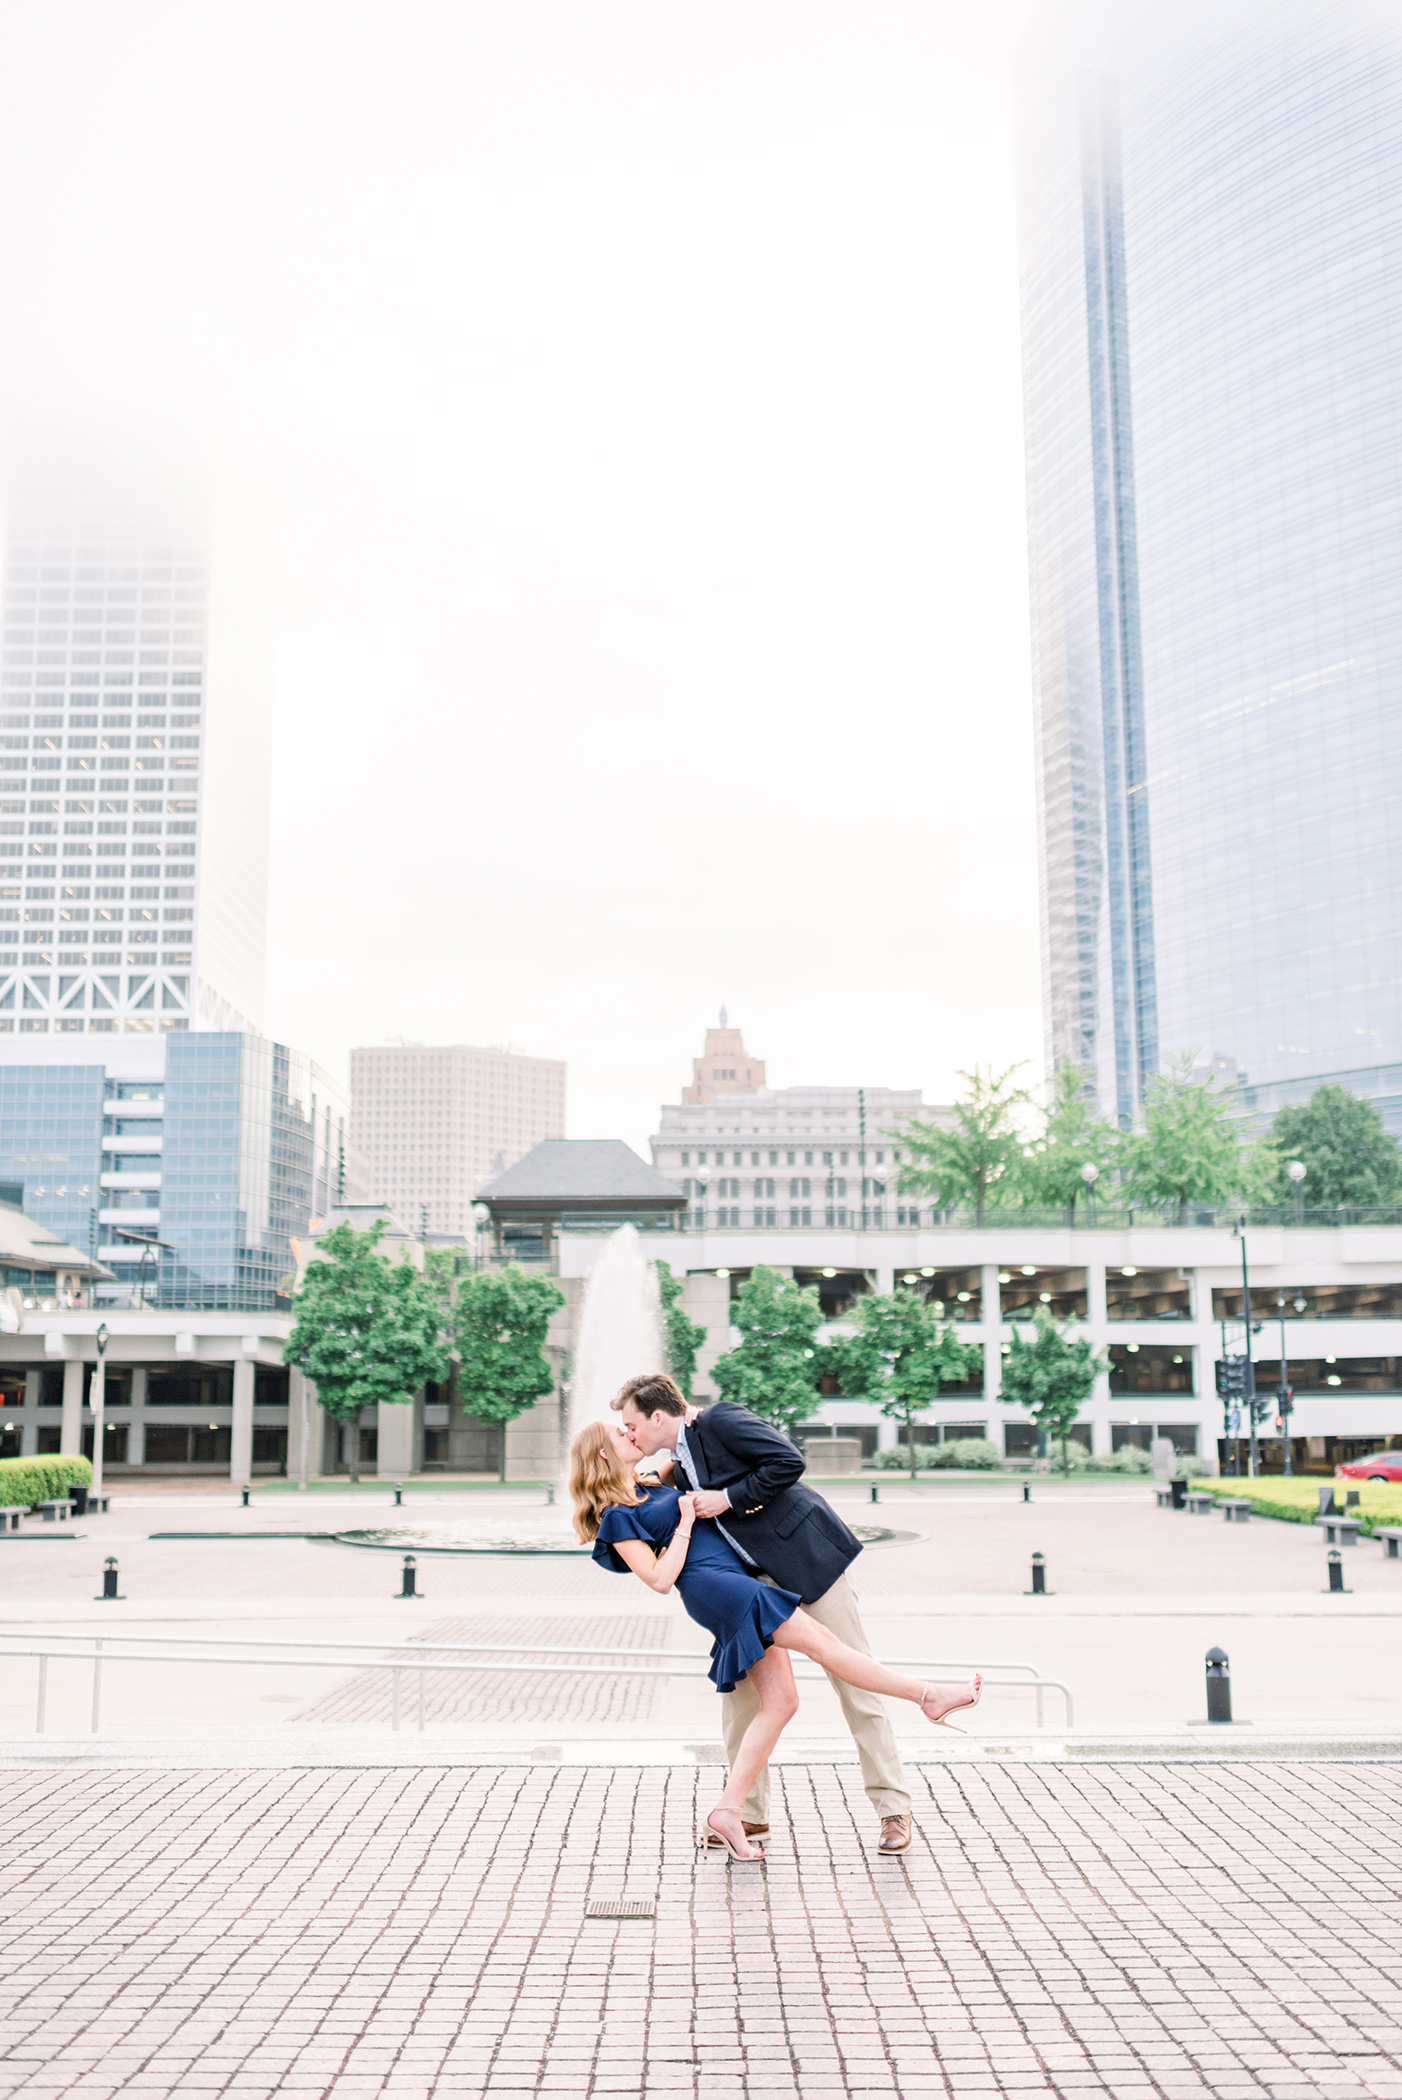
(809, 1638)
(772, 1677)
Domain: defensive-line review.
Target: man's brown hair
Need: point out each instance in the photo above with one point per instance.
(649, 1392)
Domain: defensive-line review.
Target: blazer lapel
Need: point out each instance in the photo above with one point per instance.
(698, 1456)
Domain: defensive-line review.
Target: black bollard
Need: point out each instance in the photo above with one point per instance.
(244, 1492)
(1039, 1575)
(1336, 1571)
(109, 1582)
(1219, 1686)
(875, 1493)
(1027, 1491)
(398, 1495)
(406, 1588)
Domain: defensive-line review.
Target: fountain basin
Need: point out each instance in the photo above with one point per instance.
(404, 1539)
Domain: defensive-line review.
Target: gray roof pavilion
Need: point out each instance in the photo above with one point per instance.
(581, 1179)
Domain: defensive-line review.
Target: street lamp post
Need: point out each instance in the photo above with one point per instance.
(1296, 1171)
(1090, 1174)
(1248, 1369)
(1285, 1398)
(97, 1400)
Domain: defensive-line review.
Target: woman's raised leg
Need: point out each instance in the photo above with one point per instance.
(809, 1638)
(772, 1678)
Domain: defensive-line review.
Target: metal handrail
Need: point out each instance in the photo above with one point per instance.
(45, 1645)
(417, 1647)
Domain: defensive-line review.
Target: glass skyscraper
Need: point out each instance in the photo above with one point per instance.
(141, 1113)
(1212, 303)
(215, 1148)
(135, 760)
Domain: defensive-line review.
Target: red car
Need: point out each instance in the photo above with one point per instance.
(1383, 1465)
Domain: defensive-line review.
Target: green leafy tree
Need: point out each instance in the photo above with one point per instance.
(1073, 1135)
(440, 1273)
(899, 1357)
(500, 1319)
(1348, 1154)
(775, 1370)
(1188, 1150)
(1051, 1375)
(967, 1160)
(367, 1330)
(681, 1334)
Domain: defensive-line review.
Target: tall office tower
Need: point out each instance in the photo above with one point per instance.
(1212, 302)
(187, 1162)
(135, 757)
(431, 1124)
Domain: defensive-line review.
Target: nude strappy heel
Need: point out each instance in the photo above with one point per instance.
(745, 1859)
(943, 1720)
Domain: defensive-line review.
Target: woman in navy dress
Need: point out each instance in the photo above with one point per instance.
(654, 1533)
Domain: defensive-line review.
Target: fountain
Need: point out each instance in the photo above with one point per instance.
(620, 1333)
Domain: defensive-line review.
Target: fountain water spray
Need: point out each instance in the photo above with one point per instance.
(620, 1332)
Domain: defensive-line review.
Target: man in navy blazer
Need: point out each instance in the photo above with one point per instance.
(749, 1479)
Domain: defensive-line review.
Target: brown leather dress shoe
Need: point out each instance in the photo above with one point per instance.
(897, 1834)
(752, 1830)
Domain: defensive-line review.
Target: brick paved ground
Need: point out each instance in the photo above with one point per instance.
(1132, 1929)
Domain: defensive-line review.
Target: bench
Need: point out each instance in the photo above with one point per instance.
(1391, 1541)
(1164, 1497)
(1200, 1504)
(1339, 1531)
(1234, 1509)
(55, 1510)
(9, 1519)
(92, 1505)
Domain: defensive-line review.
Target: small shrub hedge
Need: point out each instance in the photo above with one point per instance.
(965, 1453)
(1296, 1500)
(1130, 1460)
(25, 1481)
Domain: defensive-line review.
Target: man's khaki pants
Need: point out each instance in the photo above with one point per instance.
(865, 1713)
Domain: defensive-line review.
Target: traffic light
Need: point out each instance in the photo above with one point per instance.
(1231, 1377)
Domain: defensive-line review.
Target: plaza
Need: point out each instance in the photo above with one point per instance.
(247, 1882)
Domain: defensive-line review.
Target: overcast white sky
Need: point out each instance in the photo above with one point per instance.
(633, 393)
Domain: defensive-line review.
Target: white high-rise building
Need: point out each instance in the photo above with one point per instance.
(431, 1123)
(135, 761)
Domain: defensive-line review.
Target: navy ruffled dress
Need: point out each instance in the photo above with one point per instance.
(719, 1592)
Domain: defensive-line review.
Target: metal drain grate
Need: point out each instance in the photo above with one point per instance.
(621, 1907)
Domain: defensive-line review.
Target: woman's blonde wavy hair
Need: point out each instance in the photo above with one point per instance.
(599, 1480)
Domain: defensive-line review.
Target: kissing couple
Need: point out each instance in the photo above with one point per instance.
(761, 1562)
